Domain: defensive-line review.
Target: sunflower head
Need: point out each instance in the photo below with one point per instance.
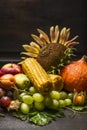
(50, 51)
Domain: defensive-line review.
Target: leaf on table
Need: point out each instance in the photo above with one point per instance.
(19, 115)
(43, 118)
(39, 118)
(79, 108)
(2, 115)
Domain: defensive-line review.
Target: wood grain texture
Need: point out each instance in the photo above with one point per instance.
(20, 18)
(79, 122)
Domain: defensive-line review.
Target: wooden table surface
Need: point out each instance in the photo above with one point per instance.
(79, 122)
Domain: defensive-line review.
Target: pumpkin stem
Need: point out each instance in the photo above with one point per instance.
(84, 58)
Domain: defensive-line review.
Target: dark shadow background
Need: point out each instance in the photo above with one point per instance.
(20, 18)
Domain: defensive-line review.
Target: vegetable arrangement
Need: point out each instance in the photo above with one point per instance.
(47, 82)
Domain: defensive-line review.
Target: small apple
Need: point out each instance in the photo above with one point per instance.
(7, 81)
(11, 68)
(22, 81)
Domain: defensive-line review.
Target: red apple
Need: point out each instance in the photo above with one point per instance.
(7, 81)
(11, 68)
(1, 73)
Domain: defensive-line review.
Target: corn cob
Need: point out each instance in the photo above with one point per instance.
(38, 76)
(57, 82)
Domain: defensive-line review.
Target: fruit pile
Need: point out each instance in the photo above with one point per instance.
(45, 80)
(13, 80)
(11, 76)
(18, 93)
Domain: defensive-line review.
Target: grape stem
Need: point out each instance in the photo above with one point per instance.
(20, 90)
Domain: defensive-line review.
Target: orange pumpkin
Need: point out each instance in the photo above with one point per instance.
(75, 75)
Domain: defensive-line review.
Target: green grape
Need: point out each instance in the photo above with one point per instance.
(25, 108)
(68, 102)
(21, 95)
(48, 101)
(55, 95)
(27, 99)
(39, 106)
(70, 95)
(38, 97)
(63, 95)
(32, 90)
(62, 103)
(55, 104)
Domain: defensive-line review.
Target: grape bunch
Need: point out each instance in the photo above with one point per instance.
(5, 97)
(35, 100)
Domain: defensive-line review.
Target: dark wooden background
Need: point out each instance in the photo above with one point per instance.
(20, 18)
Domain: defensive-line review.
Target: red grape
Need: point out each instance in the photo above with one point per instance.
(5, 101)
(9, 94)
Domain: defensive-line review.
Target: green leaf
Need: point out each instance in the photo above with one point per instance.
(40, 119)
(2, 115)
(43, 118)
(19, 115)
(79, 108)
